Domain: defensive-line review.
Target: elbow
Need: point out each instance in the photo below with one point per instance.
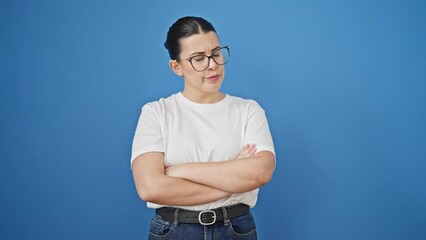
(148, 192)
(146, 196)
(264, 178)
(256, 180)
(265, 175)
(150, 195)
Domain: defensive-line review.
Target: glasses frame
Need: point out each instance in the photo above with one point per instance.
(209, 57)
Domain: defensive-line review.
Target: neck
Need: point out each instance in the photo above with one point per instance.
(205, 97)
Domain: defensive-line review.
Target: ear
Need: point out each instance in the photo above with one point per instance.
(176, 67)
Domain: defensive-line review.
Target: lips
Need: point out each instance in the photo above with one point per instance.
(213, 77)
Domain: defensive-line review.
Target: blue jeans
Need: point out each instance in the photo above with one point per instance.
(239, 228)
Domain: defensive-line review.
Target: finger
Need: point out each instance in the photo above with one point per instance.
(249, 150)
(243, 151)
(253, 151)
(246, 151)
(250, 147)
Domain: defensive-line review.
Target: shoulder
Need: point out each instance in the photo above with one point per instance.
(161, 104)
(248, 104)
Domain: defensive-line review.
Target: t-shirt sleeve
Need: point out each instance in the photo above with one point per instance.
(257, 129)
(148, 137)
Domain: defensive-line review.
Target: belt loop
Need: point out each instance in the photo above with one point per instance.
(176, 222)
(225, 216)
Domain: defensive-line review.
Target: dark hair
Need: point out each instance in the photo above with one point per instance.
(182, 28)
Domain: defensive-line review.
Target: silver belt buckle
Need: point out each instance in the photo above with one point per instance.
(200, 217)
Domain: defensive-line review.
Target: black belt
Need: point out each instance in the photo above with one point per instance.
(207, 217)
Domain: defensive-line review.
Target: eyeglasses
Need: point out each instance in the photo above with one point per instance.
(202, 62)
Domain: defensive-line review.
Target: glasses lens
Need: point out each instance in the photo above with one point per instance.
(201, 62)
(221, 56)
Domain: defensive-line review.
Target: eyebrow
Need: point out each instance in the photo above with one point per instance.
(204, 53)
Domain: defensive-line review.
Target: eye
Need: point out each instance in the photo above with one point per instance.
(198, 58)
(218, 53)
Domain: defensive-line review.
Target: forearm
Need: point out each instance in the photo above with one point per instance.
(236, 176)
(154, 186)
(165, 190)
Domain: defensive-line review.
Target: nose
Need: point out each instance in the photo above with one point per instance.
(212, 63)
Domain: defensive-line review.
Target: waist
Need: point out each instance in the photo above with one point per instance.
(206, 217)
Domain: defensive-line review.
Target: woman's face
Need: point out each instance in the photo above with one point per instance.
(203, 83)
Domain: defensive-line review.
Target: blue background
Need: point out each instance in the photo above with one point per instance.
(343, 84)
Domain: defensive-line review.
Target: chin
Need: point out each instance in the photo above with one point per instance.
(211, 90)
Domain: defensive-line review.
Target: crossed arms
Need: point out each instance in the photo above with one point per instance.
(203, 182)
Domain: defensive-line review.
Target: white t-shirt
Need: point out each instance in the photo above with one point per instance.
(186, 131)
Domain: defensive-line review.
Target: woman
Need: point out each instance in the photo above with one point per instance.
(199, 156)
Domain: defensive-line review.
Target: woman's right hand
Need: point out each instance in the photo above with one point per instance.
(247, 151)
